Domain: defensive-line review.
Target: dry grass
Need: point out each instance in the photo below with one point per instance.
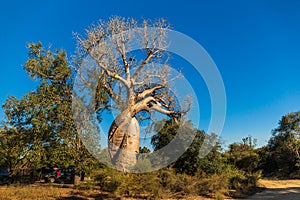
(59, 192)
(49, 192)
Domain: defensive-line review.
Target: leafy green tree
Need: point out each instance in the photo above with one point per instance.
(19, 134)
(243, 155)
(190, 162)
(166, 131)
(43, 119)
(266, 164)
(215, 163)
(11, 148)
(284, 146)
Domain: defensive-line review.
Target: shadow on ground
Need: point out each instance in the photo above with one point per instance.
(82, 196)
(288, 193)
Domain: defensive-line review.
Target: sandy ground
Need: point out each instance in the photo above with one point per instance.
(278, 189)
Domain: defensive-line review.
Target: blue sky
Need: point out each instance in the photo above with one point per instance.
(255, 44)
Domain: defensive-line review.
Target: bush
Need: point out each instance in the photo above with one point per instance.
(179, 185)
(132, 185)
(141, 186)
(245, 183)
(109, 180)
(215, 185)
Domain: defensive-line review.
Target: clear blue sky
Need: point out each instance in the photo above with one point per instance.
(255, 44)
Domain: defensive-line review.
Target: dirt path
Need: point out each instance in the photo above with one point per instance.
(278, 189)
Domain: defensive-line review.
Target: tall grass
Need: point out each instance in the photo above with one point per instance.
(31, 192)
(46, 192)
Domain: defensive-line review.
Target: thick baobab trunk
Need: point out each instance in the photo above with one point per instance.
(124, 141)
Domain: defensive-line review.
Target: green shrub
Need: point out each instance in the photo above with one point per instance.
(245, 183)
(109, 180)
(132, 185)
(141, 186)
(215, 184)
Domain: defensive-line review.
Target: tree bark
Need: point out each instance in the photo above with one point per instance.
(124, 141)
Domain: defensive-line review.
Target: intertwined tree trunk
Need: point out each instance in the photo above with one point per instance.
(124, 141)
(133, 85)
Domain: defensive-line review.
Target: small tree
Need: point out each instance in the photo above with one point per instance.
(243, 155)
(132, 79)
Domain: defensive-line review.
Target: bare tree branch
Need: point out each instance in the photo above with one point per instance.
(110, 73)
(159, 108)
(145, 61)
(148, 91)
(137, 88)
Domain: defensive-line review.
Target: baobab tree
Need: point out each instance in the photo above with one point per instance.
(136, 80)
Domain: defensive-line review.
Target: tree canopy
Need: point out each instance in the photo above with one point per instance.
(284, 146)
(39, 126)
(136, 80)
